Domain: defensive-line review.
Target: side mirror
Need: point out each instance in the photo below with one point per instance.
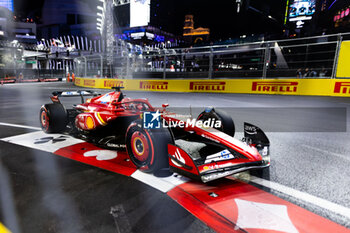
(165, 105)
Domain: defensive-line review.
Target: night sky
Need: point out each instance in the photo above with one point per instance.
(25, 7)
(220, 16)
(222, 19)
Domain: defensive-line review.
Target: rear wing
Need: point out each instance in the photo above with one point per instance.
(79, 93)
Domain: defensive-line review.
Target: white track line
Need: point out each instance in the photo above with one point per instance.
(19, 126)
(322, 203)
(162, 184)
(326, 152)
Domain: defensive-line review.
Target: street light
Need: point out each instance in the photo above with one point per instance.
(100, 8)
(99, 14)
(99, 19)
(239, 4)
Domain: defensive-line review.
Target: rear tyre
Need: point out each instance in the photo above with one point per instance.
(148, 148)
(227, 125)
(53, 118)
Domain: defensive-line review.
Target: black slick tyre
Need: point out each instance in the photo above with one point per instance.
(53, 118)
(148, 148)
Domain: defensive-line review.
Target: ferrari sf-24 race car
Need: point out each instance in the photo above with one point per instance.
(155, 139)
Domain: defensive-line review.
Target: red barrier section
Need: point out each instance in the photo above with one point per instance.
(84, 152)
(226, 205)
(248, 207)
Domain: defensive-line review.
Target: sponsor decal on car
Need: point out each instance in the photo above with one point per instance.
(342, 88)
(118, 146)
(105, 99)
(279, 86)
(250, 129)
(214, 166)
(220, 156)
(265, 151)
(74, 93)
(69, 93)
(153, 85)
(178, 156)
(207, 86)
(209, 167)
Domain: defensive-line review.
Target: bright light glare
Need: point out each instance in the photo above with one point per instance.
(139, 13)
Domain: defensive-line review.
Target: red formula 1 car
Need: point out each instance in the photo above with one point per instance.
(202, 148)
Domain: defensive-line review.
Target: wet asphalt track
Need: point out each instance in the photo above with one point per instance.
(306, 156)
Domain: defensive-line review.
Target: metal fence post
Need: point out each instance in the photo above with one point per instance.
(182, 65)
(101, 66)
(266, 60)
(336, 56)
(127, 66)
(78, 66)
(164, 67)
(211, 63)
(306, 56)
(134, 65)
(85, 67)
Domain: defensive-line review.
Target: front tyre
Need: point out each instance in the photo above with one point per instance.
(148, 148)
(53, 118)
(263, 173)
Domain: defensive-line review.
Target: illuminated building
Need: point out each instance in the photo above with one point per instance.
(67, 17)
(12, 30)
(7, 4)
(324, 5)
(194, 35)
(146, 22)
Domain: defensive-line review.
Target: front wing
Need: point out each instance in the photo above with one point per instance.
(181, 162)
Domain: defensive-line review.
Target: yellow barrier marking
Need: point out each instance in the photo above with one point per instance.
(307, 87)
(343, 69)
(3, 229)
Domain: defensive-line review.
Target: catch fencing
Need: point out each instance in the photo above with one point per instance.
(313, 57)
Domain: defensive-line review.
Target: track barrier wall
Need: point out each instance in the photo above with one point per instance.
(302, 87)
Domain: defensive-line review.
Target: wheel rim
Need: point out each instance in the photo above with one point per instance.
(44, 120)
(140, 146)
